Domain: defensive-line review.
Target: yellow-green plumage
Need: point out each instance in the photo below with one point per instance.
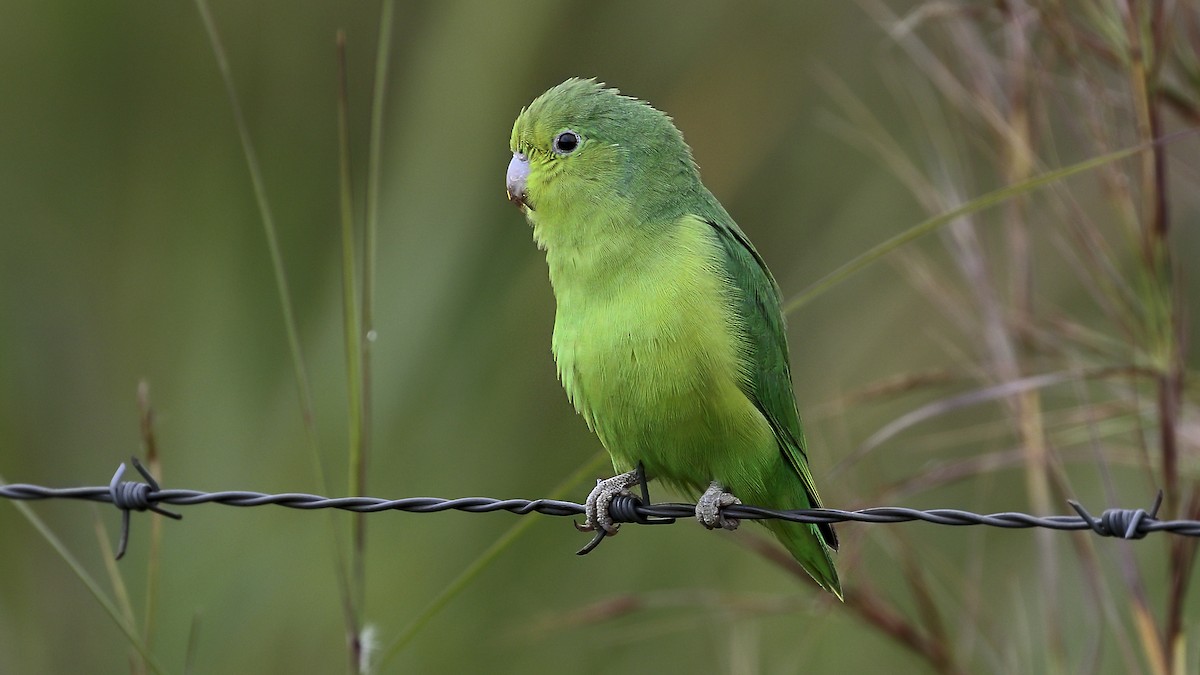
(668, 336)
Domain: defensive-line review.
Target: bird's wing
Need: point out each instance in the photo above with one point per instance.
(769, 376)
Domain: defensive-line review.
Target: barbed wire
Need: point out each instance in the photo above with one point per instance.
(129, 496)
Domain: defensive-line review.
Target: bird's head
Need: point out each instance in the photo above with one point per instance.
(583, 150)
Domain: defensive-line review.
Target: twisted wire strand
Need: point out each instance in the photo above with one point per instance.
(148, 496)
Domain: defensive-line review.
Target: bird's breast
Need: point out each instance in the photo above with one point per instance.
(651, 357)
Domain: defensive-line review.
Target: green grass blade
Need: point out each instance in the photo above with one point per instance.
(479, 564)
(120, 591)
(374, 171)
(304, 389)
(350, 312)
(268, 222)
(365, 336)
(352, 339)
(93, 587)
(981, 203)
(154, 557)
(371, 234)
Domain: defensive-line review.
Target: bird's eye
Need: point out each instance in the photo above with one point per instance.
(566, 142)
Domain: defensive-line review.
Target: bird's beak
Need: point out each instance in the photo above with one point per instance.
(518, 173)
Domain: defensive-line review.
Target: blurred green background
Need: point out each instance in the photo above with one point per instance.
(131, 247)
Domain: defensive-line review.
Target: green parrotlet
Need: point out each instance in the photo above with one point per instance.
(668, 334)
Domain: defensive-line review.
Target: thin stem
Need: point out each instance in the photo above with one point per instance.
(154, 560)
(871, 607)
(479, 564)
(980, 203)
(115, 614)
(354, 364)
(304, 390)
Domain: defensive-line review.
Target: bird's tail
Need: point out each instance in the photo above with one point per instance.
(805, 543)
(811, 545)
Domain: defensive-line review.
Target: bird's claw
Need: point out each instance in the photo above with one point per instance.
(596, 506)
(708, 508)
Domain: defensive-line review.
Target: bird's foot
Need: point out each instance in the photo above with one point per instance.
(708, 508)
(596, 506)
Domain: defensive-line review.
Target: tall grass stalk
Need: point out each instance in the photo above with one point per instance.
(352, 348)
(304, 389)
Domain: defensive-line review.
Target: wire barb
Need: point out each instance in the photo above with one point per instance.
(1124, 523)
(129, 496)
(148, 496)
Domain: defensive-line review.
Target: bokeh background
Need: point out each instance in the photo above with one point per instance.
(131, 248)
